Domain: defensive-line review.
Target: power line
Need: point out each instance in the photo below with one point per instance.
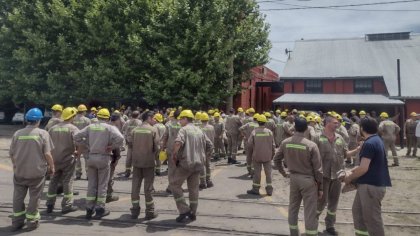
(335, 7)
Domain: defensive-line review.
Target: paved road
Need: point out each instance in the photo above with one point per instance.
(225, 209)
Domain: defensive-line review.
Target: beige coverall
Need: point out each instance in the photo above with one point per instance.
(219, 130)
(333, 154)
(168, 139)
(145, 141)
(246, 130)
(62, 136)
(100, 138)
(205, 175)
(305, 166)
(388, 130)
(53, 121)
(410, 134)
(28, 148)
(126, 130)
(261, 147)
(81, 121)
(232, 125)
(190, 158)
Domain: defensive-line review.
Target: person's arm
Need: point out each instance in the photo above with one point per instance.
(50, 162)
(358, 171)
(177, 146)
(317, 165)
(165, 137)
(278, 160)
(353, 152)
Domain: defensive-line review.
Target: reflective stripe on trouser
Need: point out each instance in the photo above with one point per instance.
(98, 178)
(257, 174)
(205, 174)
(232, 144)
(116, 155)
(330, 197)
(128, 160)
(412, 143)
(366, 210)
(303, 187)
(63, 175)
(148, 175)
(192, 178)
(21, 188)
(218, 146)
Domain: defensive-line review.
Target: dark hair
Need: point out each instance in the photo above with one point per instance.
(146, 115)
(301, 125)
(369, 125)
(176, 113)
(135, 114)
(261, 123)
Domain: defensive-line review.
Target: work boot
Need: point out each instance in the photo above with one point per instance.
(210, 184)
(32, 225)
(50, 208)
(234, 162)
(269, 191)
(193, 217)
(89, 213)
(202, 186)
(75, 193)
(407, 154)
(135, 212)
(168, 191)
(127, 173)
(396, 162)
(69, 209)
(253, 191)
(331, 231)
(229, 160)
(150, 215)
(112, 199)
(182, 217)
(101, 212)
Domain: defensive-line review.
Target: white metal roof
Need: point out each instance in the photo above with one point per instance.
(330, 99)
(329, 58)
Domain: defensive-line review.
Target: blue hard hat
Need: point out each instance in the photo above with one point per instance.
(33, 114)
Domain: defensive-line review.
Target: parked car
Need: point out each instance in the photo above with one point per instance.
(18, 118)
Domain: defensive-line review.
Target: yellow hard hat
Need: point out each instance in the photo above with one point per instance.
(278, 111)
(337, 116)
(262, 118)
(255, 115)
(103, 113)
(158, 117)
(211, 112)
(204, 117)
(362, 112)
(384, 115)
(68, 113)
(318, 119)
(186, 114)
(310, 119)
(81, 107)
(251, 110)
(302, 112)
(216, 110)
(117, 112)
(57, 107)
(353, 111)
(198, 115)
(267, 114)
(283, 114)
(413, 114)
(240, 109)
(93, 109)
(216, 114)
(171, 114)
(301, 116)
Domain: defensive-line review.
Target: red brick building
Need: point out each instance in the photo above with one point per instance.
(260, 91)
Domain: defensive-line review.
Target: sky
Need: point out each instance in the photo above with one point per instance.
(287, 26)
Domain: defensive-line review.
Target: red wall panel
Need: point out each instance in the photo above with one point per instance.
(379, 87)
(348, 86)
(299, 86)
(328, 86)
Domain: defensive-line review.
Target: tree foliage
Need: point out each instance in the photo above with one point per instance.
(174, 52)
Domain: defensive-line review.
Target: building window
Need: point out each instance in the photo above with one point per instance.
(313, 86)
(363, 86)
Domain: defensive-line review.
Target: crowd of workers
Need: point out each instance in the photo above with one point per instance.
(312, 149)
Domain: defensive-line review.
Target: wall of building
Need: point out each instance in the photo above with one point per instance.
(341, 86)
(412, 105)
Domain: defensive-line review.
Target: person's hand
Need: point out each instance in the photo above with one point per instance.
(320, 194)
(174, 158)
(51, 170)
(347, 179)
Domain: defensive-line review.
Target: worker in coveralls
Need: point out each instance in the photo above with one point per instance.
(189, 154)
(30, 151)
(100, 139)
(305, 166)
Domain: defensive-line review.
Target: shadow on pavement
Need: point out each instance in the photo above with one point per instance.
(248, 196)
(126, 218)
(241, 177)
(164, 225)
